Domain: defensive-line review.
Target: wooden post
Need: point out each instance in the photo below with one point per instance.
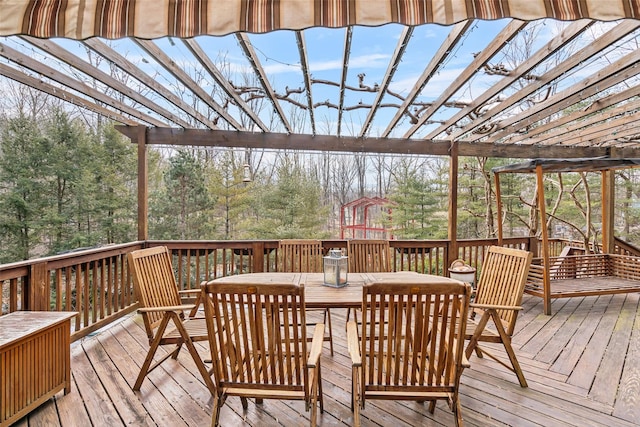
(258, 257)
(608, 210)
(143, 188)
(39, 288)
(498, 208)
(545, 241)
(453, 204)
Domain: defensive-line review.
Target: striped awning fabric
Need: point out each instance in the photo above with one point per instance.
(80, 19)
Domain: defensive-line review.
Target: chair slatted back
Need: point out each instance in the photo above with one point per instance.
(300, 256)
(502, 281)
(154, 282)
(408, 337)
(260, 343)
(369, 256)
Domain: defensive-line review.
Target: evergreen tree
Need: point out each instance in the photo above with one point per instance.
(289, 206)
(417, 211)
(182, 206)
(22, 190)
(116, 179)
(233, 198)
(70, 186)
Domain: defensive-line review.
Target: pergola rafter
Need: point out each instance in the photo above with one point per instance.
(345, 68)
(302, 50)
(72, 60)
(123, 63)
(221, 80)
(621, 70)
(250, 53)
(507, 34)
(64, 95)
(163, 59)
(403, 42)
(443, 52)
(557, 43)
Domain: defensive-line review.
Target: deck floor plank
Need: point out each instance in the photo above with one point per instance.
(550, 353)
(605, 384)
(587, 367)
(581, 365)
(131, 411)
(627, 404)
(573, 350)
(100, 408)
(71, 408)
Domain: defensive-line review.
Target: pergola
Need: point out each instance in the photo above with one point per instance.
(560, 100)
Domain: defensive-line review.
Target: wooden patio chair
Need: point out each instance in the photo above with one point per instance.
(160, 305)
(408, 347)
(305, 256)
(368, 256)
(262, 352)
(498, 298)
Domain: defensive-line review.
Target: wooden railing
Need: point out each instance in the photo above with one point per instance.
(96, 282)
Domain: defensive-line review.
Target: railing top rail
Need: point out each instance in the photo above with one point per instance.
(78, 256)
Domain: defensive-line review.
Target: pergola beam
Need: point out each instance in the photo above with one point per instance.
(331, 143)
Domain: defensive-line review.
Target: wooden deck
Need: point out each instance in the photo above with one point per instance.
(581, 364)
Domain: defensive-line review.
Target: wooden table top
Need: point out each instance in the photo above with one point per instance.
(317, 295)
(22, 324)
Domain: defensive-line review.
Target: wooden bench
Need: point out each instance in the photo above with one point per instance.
(34, 360)
(586, 275)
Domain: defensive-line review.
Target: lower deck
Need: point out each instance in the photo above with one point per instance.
(580, 363)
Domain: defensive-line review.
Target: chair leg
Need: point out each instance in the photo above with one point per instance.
(195, 355)
(457, 412)
(215, 416)
(320, 395)
(356, 397)
(514, 362)
(327, 314)
(144, 370)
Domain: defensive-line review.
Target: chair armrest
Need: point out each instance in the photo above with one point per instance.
(465, 362)
(190, 291)
(495, 307)
(353, 343)
(316, 345)
(167, 308)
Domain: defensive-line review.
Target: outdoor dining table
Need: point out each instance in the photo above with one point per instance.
(318, 295)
